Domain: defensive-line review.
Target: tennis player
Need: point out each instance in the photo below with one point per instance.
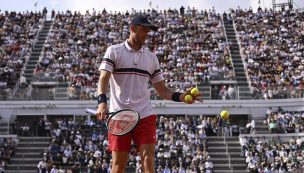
(127, 68)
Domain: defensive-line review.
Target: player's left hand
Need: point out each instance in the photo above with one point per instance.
(195, 95)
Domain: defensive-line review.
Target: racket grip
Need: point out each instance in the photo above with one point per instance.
(91, 111)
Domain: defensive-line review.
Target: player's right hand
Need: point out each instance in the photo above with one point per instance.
(101, 111)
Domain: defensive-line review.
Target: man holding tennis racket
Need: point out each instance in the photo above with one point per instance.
(127, 68)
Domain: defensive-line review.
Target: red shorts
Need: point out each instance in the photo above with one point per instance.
(144, 133)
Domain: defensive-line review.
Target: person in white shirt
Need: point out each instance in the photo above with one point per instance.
(231, 92)
(42, 165)
(61, 170)
(97, 153)
(127, 69)
(252, 125)
(54, 169)
(299, 142)
(268, 112)
(22, 81)
(208, 166)
(252, 165)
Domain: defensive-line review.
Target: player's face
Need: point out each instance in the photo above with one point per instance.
(140, 34)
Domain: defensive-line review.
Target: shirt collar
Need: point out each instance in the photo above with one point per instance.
(129, 48)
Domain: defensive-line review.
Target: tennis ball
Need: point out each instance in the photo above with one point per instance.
(224, 115)
(188, 98)
(194, 92)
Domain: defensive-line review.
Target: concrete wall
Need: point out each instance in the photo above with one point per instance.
(255, 108)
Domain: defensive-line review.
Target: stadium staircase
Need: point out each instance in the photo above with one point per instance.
(37, 48)
(4, 130)
(260, 127)
(61, 92)
(28, 154)
(206, 91)
(220, 150)
(241, 78)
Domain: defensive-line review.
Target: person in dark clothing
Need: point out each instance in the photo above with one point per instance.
(41, 127)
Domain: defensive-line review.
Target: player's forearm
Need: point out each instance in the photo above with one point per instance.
(166, 93)
(163, 91)
(103, 82)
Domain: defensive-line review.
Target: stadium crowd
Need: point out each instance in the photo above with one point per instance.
(7, 150)
(18, 32)
(82, 145)
(272, 46)
(192, 49)
(182, 144)
(273, 154)
(285, 122)
(190, 46)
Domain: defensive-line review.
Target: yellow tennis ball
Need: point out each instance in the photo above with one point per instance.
(194, 91)
(224, 115)
(188, 98)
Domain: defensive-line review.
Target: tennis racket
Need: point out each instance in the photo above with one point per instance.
(120, 122)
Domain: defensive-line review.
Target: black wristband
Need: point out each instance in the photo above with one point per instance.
(102, 98)
(175, 96)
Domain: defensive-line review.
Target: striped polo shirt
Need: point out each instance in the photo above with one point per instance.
(131, 72)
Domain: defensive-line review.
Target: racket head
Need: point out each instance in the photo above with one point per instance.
(122, 122)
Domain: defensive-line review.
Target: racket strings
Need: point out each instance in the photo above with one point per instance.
(122, 123)
(121, 126)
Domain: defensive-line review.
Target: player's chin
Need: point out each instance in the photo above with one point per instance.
(143, 42)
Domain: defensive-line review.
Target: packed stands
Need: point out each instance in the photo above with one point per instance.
(7, 150)
(18, 31)
(182, 142)
(286, 122)
(83, 143)
(271, 44)
(190, 51)
(273, 154)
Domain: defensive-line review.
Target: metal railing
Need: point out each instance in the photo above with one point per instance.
(227, 153)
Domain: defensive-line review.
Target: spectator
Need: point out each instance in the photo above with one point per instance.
(42, 167)
(272, 126)
(231, 93)
(54, 169)
(271, 154)
(208, 166)
(223, 92)
(272, 59)
(29, 92)
(252, 126)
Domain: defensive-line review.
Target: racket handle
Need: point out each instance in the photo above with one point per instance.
(91, 111)
(94, 112)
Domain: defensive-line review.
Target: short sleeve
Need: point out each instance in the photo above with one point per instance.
(157, 74)
(108, 61)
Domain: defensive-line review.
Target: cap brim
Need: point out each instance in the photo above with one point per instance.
(152, 27)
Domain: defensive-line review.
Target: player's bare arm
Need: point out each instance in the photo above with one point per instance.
(102, 89)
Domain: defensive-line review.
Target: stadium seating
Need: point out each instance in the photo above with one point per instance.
(194, 48)
(18, 31)
(272, 50)
(273, 153)
(7, 150)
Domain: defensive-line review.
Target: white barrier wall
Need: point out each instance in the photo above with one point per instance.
(283, 137)
(254, 108)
